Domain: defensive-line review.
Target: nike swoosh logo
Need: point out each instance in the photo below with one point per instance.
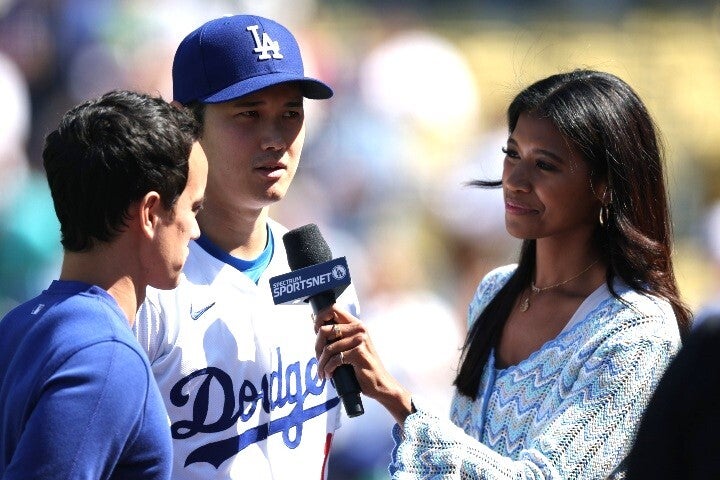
(199, 313)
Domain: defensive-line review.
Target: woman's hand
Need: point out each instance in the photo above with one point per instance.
(343, 339)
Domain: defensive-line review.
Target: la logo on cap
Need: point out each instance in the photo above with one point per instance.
(264, 46)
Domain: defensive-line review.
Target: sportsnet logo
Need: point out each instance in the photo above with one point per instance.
(297, 284)
(306, 282)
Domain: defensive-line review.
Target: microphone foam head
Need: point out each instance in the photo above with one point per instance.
(305, 246)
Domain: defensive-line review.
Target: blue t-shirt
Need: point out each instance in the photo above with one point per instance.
(77, 397)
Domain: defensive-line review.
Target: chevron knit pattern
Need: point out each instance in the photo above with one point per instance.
(569, 411)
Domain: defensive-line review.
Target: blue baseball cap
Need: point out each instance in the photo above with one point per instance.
(236, 55)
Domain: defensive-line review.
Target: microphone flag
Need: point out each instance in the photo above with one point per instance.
(301, 284)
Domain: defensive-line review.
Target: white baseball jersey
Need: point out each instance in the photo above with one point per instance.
(238, 374)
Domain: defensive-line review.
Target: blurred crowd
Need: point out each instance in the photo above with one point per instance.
(417, 112)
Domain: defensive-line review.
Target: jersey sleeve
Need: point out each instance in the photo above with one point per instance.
(150, 329)
(89, 411)
(348, 300)
(585, 437)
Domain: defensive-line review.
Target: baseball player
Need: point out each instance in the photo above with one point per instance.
(238, 374)
(77, 397)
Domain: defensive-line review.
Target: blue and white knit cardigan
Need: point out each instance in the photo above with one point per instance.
(569, 411)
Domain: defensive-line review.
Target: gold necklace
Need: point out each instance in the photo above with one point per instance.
(525, 304)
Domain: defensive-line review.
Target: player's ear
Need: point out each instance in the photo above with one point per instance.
(150, 209)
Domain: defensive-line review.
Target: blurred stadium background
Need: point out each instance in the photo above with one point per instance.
(420, 93)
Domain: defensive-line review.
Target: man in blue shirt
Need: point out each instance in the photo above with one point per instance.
(77, 397)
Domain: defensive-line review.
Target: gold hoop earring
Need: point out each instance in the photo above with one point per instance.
(604, 215)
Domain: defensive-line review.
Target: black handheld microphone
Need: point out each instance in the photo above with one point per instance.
(305, 246)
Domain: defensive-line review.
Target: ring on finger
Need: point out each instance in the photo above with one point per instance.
(342, 359)
(336, 331)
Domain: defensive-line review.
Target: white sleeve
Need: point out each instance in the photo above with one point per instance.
(348, 300)
(149, 329)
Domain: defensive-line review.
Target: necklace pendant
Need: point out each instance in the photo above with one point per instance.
(525, 304)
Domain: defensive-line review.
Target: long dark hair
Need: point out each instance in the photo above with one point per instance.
(610, 125)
